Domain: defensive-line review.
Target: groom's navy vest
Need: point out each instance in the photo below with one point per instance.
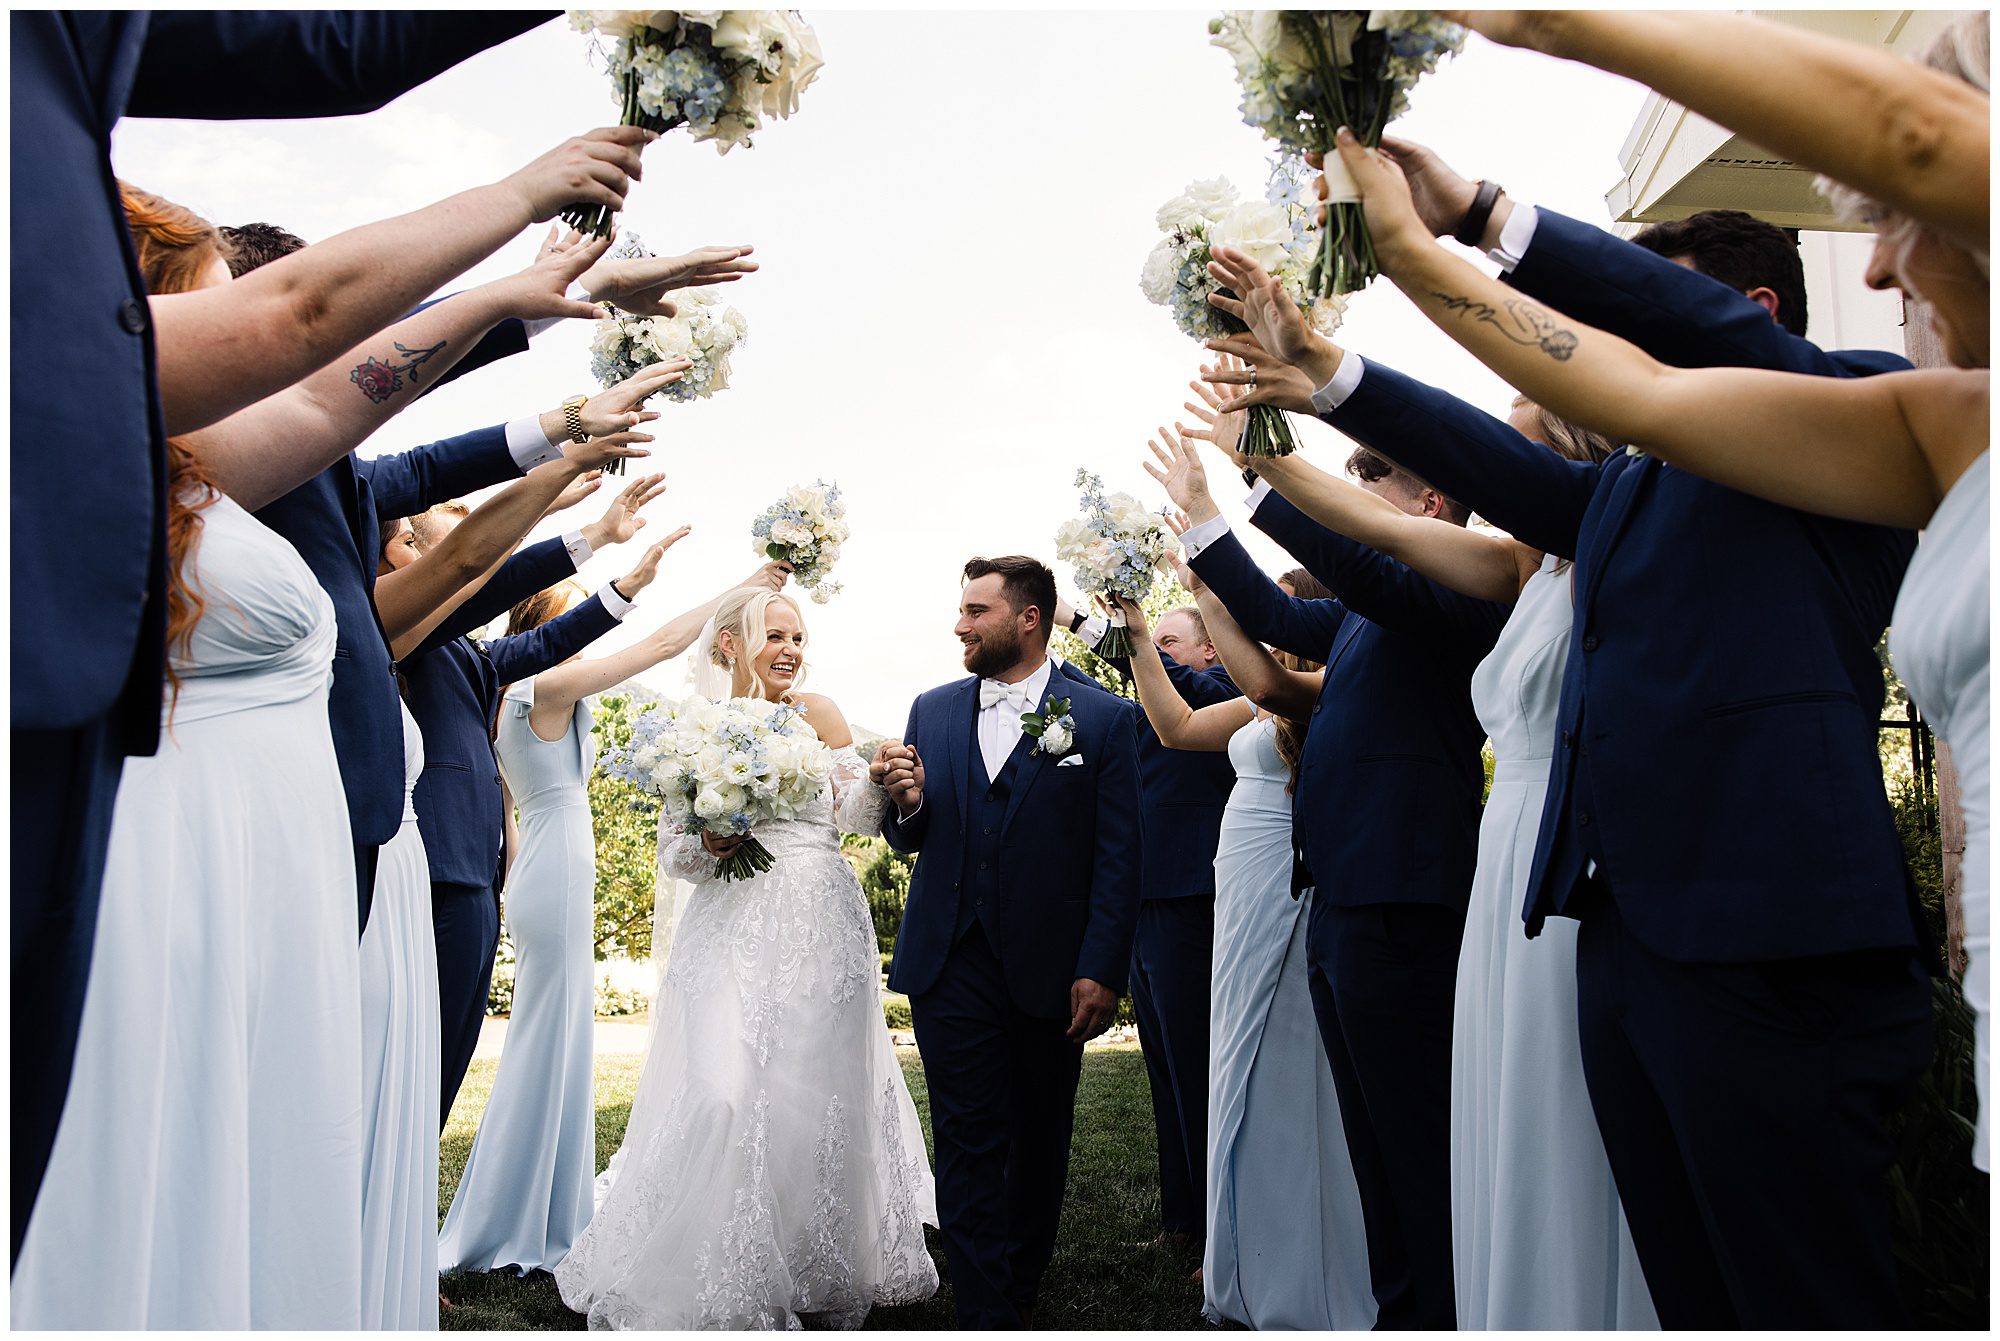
(985, 817)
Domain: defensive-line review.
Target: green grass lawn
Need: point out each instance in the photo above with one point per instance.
(1099, 1278)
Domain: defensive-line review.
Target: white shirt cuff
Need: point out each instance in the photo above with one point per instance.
(1341, 385)
(529, 446)
(1093, 631)
(578, 547)
(1516, 236)
(1203, 534)
(537, 325)
(1258, 493)
(616, 604)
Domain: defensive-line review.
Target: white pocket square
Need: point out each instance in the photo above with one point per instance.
(1073, 759)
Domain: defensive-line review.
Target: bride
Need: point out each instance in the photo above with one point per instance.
(773, 1164)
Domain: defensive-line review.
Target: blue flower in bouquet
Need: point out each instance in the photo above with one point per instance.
(805, 528)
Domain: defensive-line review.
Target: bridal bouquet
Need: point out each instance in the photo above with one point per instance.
(720, 72)
(1306, 73)
(805, 529)
(1116, 545)
(725, 768)
(1276, 232)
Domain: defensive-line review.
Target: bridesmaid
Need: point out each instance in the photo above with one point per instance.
(526, 1191)
(1538, 1235)
(1287, 1249)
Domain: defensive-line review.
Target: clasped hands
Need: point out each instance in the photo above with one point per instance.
(899, 770)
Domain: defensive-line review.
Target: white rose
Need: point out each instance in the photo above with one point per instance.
(1056, 739)
(1162, 268)
(1210, 198)
(1260, 230)
(713, 802)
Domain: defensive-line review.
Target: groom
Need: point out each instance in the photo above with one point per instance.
(1018, 929)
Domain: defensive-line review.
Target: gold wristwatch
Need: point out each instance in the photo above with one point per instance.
(573, 418)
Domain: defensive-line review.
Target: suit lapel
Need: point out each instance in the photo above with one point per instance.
(958, 739)
(1625, 492)
(124, 67)
(1029, 766)
(1350, 629)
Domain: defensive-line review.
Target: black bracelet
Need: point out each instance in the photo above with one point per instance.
(1249, 478)
(1473, 225)
(1076, 621)
(613, 584)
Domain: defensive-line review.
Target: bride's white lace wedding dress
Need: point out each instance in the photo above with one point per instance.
(773, 1164)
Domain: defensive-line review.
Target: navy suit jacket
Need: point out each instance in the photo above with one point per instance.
(1386, 805)
(454, 692)
(334, 521)
(1716, 750)
(1070, 851)
(1184, 791)
(78, 302)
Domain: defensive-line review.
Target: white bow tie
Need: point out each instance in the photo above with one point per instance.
(1017, 696)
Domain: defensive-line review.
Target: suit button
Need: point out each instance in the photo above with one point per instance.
(982, 865)
(979, 903)
(954, 886)
(496, 779)
(987, 832)
(1590, 642)
(1583, 819)
(1565, 740)
(1317, 707)
(132, 316)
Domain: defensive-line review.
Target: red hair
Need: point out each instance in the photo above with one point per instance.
(176, 248)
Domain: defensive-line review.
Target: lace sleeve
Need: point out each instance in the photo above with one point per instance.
(858, 804)
(681, 855)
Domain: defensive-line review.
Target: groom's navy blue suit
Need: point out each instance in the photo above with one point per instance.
(455, 684)
(1024, 883)
(1173, 948)
(1385, 816)
(1749, 1003)
(87, 687)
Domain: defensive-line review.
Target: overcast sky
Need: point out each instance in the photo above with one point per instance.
(948, 320)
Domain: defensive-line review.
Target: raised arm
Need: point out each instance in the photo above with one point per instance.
(1912, 138)
(557, 690)
(220, 349)
(1265, 682)
(1874, 449)
(1178, 725)
(412, 599)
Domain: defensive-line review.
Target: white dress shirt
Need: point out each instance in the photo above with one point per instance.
(1000, 724)
(529, 446)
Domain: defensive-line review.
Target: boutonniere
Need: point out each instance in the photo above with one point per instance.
(1053, 728)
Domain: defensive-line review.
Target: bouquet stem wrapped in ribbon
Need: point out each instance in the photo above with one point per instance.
(725, 768)
(720, 72)
(1275, 232)
(1306, 73)
(1117, 547)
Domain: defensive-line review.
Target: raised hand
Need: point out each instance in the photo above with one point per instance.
(1253, 377)
(771, 575)
(1092, 1008)
(617, 410)
(1135, 620)
(1274, 320)
(578, 489)
(648, 567)
(1223, 430)
(599, 453)
(539, 291)
(594, 169)
(621, 521)
(1395, 228)
(1442, 196)
(1180, 471)
(639, 284)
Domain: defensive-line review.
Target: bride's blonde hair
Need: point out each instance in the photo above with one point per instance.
(741, 614)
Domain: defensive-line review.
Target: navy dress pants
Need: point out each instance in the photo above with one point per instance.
(1742, 1107)
(1383, 979)
(65, 784)
(465, 919)
(1173, 953)
(1002, 1096)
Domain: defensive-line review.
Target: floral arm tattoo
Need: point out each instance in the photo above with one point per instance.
(1522, 322)
(379, 381)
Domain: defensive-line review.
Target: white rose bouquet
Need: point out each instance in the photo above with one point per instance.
(1306, 73)
(805, 529)
(1276, 231)
(722, 73)
(725, 768)
(1117, 547)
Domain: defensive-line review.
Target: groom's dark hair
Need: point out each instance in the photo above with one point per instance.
(259, 244)
(1026, 581)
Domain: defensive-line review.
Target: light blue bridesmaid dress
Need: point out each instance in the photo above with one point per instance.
(1287, 1250)
(526, 1193)
(1941, 638)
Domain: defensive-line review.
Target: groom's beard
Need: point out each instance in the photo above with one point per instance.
(989, 657)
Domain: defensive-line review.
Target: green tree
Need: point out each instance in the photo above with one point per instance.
(624, 821)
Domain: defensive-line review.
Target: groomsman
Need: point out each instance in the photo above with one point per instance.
(87, 687)
(1018, 930)
(1184, 792)
(1385, 816)
(1751, 1002)
(455, 683)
